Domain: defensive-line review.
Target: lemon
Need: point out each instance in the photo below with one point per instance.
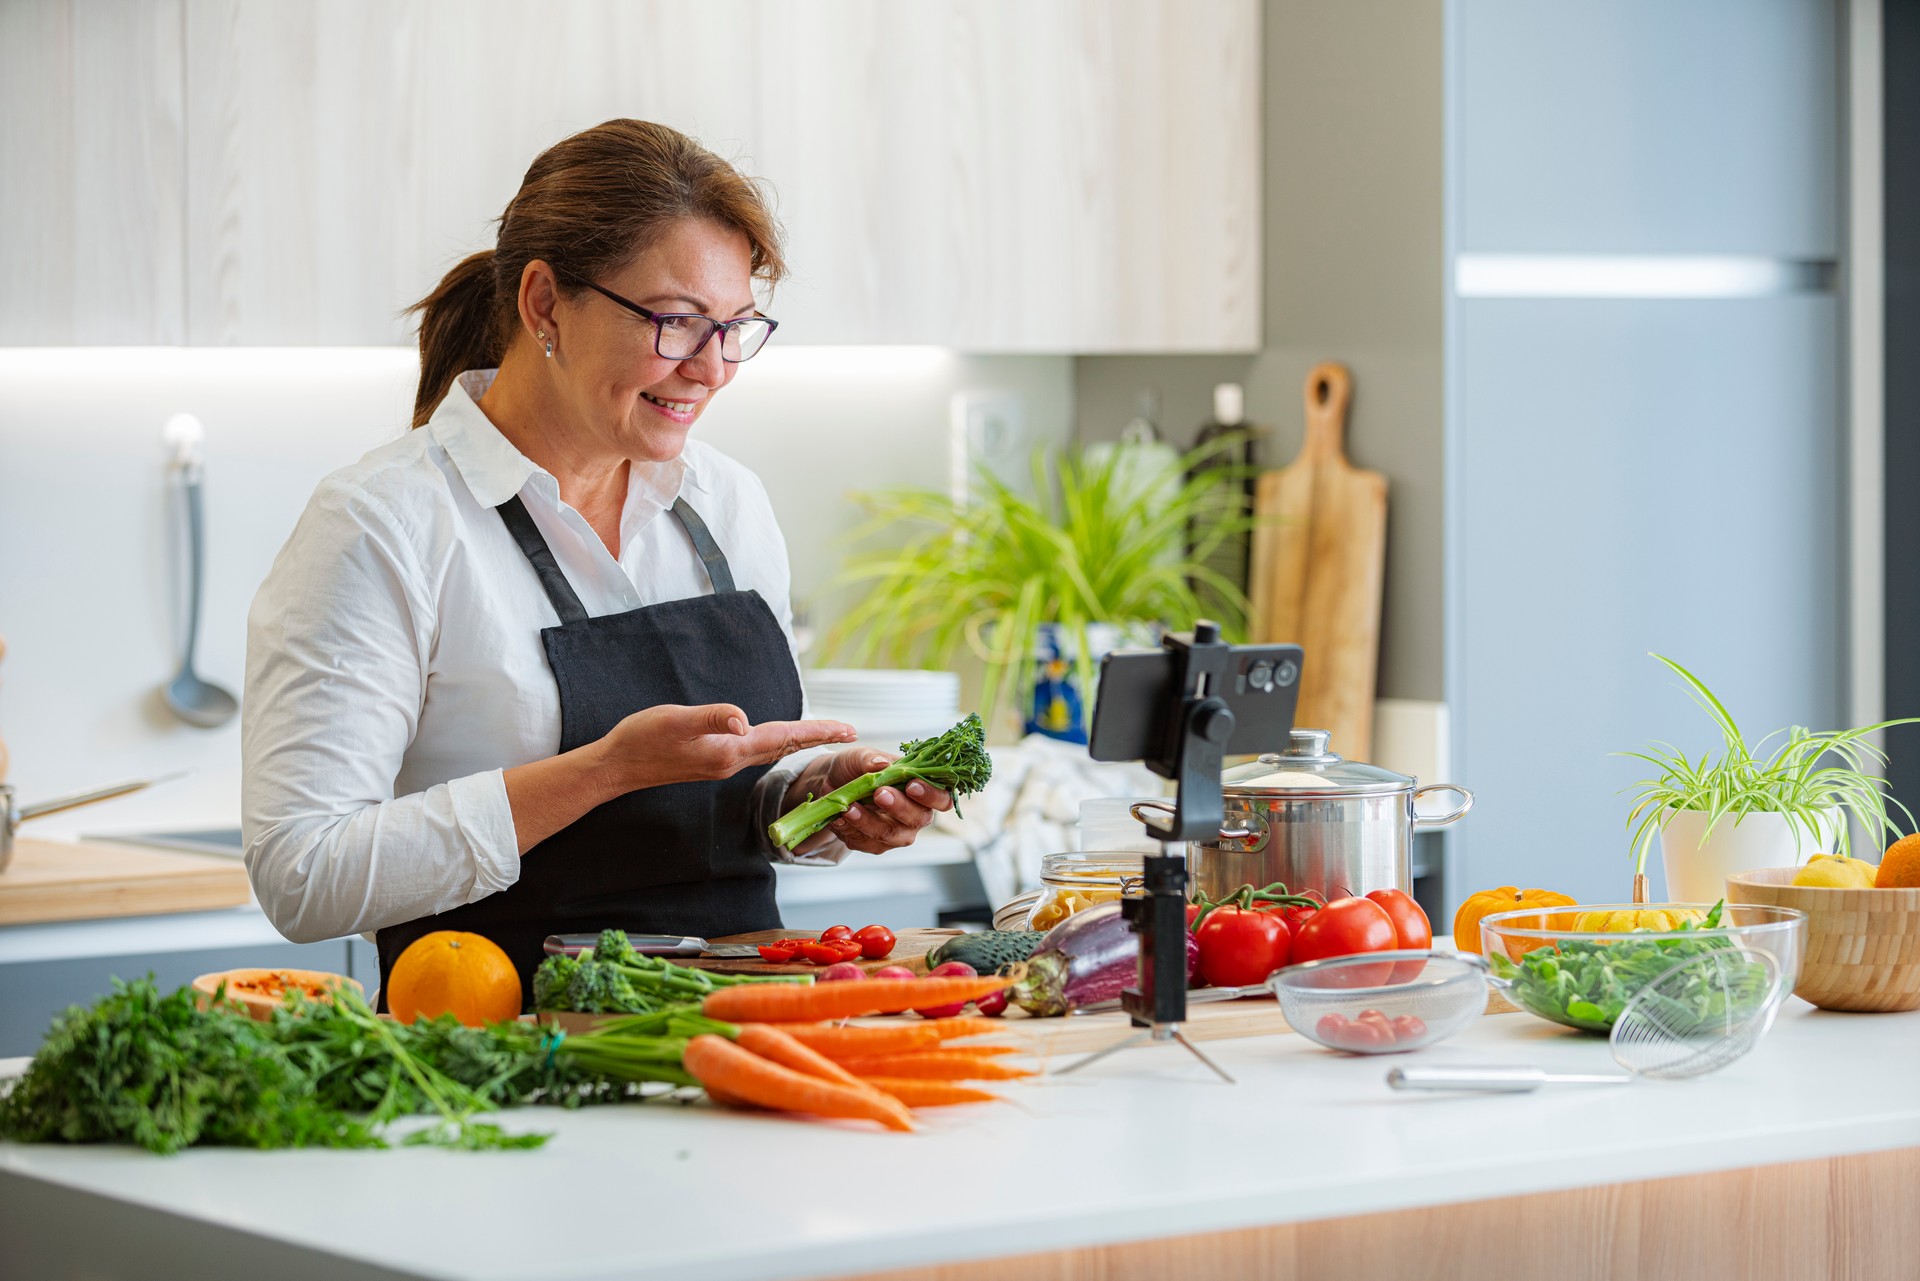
(1836, 872)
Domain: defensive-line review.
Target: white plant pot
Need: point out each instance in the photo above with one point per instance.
(1698, 862)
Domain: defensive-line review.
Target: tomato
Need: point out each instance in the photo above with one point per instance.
(780, 953)
(1375, 1016)
(1408, 1027)
(1331, 1027)
(1410, 925)
(1193, 910)
(1241, 947)
(821, 953)
(1345, 927)
(876, 941)
(1361, 1035)
(833, 932)
(1297, 916)
(848, 949)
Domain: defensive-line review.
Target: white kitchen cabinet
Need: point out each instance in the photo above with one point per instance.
(91, 199)
(995, 175)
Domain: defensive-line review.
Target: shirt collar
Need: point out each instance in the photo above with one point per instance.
(495, 471)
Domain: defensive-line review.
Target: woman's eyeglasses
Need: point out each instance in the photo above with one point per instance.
(683, 335)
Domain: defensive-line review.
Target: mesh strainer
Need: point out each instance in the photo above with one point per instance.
(1422, 997)
(1695, 1018)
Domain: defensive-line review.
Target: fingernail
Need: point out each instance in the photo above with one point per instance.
(876, 762)
(737, 725)
(884, 796)
(853, 814)
(917, 790)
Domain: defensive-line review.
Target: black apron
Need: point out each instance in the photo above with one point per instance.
(685, 858)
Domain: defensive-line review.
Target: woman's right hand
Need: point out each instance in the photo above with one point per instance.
(675, 744)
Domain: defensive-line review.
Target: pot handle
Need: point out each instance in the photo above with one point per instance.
(1425, 822)
(1167, 809)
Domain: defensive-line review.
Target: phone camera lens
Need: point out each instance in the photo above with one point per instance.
(1260, 676)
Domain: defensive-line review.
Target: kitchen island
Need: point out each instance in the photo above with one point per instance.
(1801, 1160)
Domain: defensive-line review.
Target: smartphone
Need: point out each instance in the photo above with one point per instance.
(1262, 687)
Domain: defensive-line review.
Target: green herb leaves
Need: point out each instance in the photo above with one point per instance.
(1586, 984)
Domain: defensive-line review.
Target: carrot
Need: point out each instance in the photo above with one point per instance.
(971, 1051)
(776, 1046)
(724, 1099)
(959, 1025)
(930, 1094)
(859, 1042)
(741, 1074)
(935, 1065)
(789, 1003)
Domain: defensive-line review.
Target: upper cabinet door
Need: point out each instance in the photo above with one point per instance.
(90, 150)
(994, 175)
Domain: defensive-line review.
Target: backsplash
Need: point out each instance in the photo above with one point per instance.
(90, 599)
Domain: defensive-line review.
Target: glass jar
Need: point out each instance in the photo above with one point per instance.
(1071, 883)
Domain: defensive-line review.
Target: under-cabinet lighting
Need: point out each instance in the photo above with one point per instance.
(1637, 276)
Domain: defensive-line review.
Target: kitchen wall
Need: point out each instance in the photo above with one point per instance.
(1354, 273)
(89, 598)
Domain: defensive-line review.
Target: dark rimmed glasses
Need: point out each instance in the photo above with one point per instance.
(682, 335)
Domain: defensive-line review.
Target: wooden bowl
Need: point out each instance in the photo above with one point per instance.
(1863, 946)
(259, 1004)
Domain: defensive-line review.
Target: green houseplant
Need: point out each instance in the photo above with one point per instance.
(1791, 799)
(1103, 540)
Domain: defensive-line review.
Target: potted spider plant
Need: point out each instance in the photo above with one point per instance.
(1753, 805)
(1099, 554)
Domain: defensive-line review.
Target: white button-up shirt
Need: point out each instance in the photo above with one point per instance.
(395, 668)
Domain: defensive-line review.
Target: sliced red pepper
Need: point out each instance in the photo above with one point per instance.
(820, 953)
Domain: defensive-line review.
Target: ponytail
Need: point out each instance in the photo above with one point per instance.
(587, 205)
(459, 330)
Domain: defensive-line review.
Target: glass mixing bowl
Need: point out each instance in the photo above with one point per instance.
(1543, 962)
(1382, 1002)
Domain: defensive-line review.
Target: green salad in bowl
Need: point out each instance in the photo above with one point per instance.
(1583, 978)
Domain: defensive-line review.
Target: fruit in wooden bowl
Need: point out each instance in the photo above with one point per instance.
(1863, 945)
(260, 991)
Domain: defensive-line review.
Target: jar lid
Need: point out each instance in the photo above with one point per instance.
(1308, 768)
(1091, 867)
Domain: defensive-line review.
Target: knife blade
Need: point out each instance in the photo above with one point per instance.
(653, 945)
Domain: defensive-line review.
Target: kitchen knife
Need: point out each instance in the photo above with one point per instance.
(653, 945)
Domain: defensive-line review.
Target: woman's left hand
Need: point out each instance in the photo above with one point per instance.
(888, 820)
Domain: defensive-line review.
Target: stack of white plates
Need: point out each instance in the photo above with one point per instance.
(886, 707)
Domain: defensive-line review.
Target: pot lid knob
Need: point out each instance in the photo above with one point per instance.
(1309, 746)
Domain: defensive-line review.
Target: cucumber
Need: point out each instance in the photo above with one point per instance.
(988, 950)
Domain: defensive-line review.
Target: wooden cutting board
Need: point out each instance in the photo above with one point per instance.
(1319, 560)
(910, 949)
(78, 881)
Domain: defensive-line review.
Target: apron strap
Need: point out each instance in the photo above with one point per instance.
(559, 591)
(719, 573)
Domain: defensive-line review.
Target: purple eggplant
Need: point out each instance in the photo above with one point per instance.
(1088, 958)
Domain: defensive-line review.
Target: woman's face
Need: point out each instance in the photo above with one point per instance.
(639, 402)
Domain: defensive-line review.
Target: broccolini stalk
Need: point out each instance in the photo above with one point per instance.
(956, 762)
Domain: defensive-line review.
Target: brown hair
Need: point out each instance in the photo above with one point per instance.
(588, 204)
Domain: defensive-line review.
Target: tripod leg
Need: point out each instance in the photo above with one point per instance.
(1097, 1055)
(1195, 1051)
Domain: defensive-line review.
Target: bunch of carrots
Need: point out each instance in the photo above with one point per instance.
(788, 1055)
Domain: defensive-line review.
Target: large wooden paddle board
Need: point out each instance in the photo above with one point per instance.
(1319, 560)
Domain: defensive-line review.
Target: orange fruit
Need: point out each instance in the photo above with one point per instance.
(446, 972)
(1900, 866)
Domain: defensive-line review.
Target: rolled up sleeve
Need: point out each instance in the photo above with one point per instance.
(339, 644)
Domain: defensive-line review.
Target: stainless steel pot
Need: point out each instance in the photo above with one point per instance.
(1315, 821)
(11, 817)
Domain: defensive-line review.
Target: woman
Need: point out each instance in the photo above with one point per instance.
(526, 670)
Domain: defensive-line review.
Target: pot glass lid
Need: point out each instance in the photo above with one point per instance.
(1308, 766)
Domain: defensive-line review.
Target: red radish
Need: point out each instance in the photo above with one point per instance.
(993, 1005)
(894, 972)
(842, 970)
(950, 969)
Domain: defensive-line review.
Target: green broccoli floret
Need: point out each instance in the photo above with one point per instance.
(956, 762)
(613, 948)
(599, 988)
(550, 982)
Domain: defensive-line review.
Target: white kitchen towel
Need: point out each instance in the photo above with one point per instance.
(1031, 808)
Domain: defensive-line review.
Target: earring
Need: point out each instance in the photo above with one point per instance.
(542, 335)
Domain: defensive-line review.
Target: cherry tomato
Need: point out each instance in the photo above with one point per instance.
(1345, 927)
(833, 932)
(821, 953)
(1362, 1035)
(1239, 947)
(1375, 1016)
(1408, 1027)
(876, 941)
(779, 953)
(848, 949)
(1331, 1027)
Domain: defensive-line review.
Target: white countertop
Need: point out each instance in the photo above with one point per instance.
(1144, 1145)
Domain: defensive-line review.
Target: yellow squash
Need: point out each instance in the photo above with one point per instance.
(1623, 920)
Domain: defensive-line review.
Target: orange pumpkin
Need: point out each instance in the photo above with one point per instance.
(446, 972)
(1466, 922)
